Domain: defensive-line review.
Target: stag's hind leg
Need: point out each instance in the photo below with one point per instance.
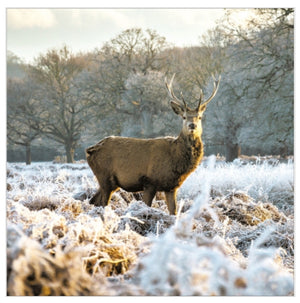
(102, 196)
(96, 199)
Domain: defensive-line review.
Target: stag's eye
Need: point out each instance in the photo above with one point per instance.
(183, 117)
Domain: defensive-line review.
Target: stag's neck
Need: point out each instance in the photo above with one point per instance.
(190, 141)
(190, 152)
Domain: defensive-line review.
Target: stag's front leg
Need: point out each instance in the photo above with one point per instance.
(171, 201)
(149, 193)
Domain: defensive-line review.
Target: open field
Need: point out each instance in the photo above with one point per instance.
(233, 235)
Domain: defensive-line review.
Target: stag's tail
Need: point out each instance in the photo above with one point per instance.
(90, 153)
(97, 147)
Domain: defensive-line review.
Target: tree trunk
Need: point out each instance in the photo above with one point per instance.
(28, 154)
(232, 151)
(70, 154)
(147, 129)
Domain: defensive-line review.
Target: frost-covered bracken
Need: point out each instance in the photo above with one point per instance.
(233, 234)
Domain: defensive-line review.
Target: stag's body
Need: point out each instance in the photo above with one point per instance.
(149, 165)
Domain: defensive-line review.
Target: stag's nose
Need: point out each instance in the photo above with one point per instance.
(192, 125)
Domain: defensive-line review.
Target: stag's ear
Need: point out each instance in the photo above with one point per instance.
(177, 108)
(202, 108)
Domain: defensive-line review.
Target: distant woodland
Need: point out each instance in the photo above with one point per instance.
(63, 102)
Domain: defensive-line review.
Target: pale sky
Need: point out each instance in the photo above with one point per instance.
(30, 32)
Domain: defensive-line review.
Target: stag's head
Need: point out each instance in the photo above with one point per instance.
(191, 117)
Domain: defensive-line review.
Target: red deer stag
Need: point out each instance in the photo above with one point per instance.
(150, 165)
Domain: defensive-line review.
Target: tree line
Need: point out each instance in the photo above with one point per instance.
(67, 101)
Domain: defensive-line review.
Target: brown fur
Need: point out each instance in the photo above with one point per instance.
(148, 165)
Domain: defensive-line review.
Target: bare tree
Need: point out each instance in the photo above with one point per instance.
(265, 44)
(24, 114)
(146, 99)
(66, 107)
(256, 104)
(141, 51)
(132, 52)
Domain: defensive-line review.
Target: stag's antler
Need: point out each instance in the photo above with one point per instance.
(171, 93)
(216, 86)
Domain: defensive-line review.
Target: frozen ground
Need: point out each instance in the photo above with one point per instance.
(234, 234)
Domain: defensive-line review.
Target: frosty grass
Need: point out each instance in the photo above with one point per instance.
(233, 234)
